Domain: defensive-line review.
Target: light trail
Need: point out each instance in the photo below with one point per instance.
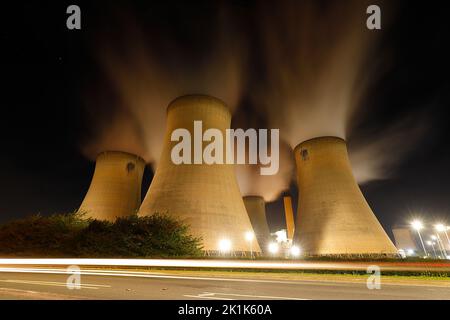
(123, 273)
(181, 263)
(228, 264)
(137, 274)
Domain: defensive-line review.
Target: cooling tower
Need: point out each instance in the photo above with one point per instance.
(404, 239)
(289, 215)
(206, 197)
(115, 190)
(256, 209)
(333, 216)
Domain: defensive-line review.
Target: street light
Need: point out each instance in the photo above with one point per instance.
(437, 240)
(431, 243)
(249, 236)
(441, 228)
(224, 245)
(417, 225)
(295, 251)
(273, 248)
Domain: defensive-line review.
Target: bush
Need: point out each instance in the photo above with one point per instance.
(72, 235)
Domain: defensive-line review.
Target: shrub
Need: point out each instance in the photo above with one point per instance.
(72, 235)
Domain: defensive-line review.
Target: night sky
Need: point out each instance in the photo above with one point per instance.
(44, 119)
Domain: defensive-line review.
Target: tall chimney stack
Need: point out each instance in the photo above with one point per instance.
(289, 214)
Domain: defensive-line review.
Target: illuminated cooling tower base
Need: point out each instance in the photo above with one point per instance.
(333, 216)
(256, 209)
(204, 196)
(115, 190)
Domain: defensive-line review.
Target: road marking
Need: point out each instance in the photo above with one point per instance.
(320, 282)
(214, 295)
(28, 294)
(142, 275)
(55, 284)
(206, 296)
(254, 296)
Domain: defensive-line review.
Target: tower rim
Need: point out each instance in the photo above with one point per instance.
(187, 97)
(318, 138)
(252, 196)
(129, 154)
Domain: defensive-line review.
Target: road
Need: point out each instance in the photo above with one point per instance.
(50, 283)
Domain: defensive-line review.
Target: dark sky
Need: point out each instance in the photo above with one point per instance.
(45, 68)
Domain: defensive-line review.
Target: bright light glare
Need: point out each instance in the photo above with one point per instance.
(440, 227)
(295, 251)
(224, 245)
(249, 236)
(281, 236)
(429, 243)
(410, 251)
(433, 237)
(417, 225)
(273, 248)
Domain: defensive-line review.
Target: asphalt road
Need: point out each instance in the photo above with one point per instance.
(110, 284)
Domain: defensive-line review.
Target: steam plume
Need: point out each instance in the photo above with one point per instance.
(250, 180)
(317, 57)
(148, 71)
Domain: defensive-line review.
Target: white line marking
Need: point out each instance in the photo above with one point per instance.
(47, 283)
(321, 282)
(217, 296)
(142, 275)
(254, 296)
(205, 297)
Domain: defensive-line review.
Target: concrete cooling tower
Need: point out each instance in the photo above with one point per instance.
(333, 217)
(404, 239)
(256, 209)
(115, 190)
(206, 197)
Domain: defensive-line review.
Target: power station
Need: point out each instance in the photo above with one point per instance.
(204, 196)
(256, 209)
(333, 216)
(115, 189)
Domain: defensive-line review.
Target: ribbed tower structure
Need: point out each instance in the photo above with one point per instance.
(204, 196)
(404, 238)
(256, 209)
(115, 189)
(333, 216)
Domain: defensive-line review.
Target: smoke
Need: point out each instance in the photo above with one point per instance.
(320, 62)
(147, 69)
(314, 65)
(374, 156)
(250, 180)
(252, 183)
(314, 54)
